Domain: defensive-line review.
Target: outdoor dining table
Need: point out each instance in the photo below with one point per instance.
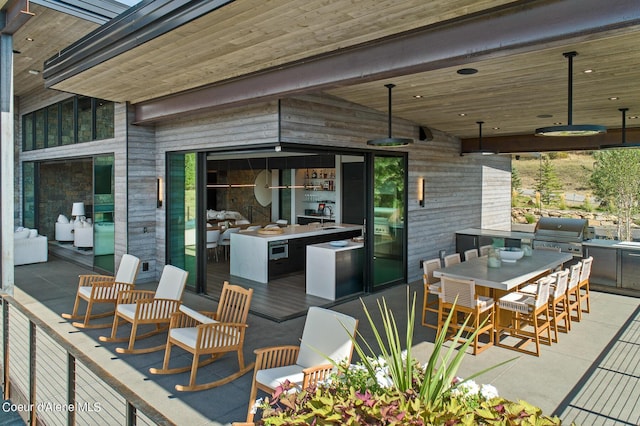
(509, 275)
(496, 282)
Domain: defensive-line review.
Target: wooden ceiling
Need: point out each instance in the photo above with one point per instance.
(246, 38)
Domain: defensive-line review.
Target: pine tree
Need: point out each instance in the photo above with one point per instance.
(547, 183)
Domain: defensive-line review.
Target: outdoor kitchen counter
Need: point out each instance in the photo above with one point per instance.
(474, 238)
(616, 265)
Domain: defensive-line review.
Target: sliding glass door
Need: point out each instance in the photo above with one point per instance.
(103, 212)
(181, 213)
(389, 233)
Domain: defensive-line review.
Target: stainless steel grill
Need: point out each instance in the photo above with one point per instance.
(566, 234)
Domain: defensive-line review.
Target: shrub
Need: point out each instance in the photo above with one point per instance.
(530, 218)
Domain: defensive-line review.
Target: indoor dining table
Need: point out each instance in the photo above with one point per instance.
(509, 275)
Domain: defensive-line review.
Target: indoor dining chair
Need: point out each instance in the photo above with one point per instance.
(146, 307)
(484, 250)
(431, 288)
(103, 289)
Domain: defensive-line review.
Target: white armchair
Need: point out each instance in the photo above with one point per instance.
(64, 229)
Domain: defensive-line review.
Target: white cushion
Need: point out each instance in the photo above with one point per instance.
(33, 233)
(22, 234)
(128, 310)
(62, 219)
(274, 377)
(85, 291)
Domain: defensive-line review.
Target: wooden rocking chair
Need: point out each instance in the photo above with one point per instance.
(141, 307)
(210, 333)
(103, 289)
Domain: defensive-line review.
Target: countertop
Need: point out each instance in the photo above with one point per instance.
(327, 246)
(613, 244)
(300, 231)
(496, 233)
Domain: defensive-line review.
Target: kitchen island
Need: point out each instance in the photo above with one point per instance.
(335, 269)
(261, 257)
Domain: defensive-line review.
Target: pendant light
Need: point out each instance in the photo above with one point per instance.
(624, 143)
(480, 149)
(571, 129)
(390, 141)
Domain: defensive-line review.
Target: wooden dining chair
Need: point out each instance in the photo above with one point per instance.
(431, 289)
(470, 254)
(452, 259)
(484, 250)
(583, 286)
(573, 293)
(530, 318)
(558, 306)
(460, 297)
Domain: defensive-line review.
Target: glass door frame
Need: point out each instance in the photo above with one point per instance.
(370, 158)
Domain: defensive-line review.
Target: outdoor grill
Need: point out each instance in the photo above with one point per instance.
(564, 233)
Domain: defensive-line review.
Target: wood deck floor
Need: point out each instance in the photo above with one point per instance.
(279, 300)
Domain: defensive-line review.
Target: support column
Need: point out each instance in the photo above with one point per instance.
(7, 144)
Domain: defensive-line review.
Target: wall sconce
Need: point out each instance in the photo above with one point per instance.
(421, 192)
(159, 192)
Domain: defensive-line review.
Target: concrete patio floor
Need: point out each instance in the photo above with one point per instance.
(591, 377)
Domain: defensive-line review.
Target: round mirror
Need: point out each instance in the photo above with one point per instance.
(261, 190)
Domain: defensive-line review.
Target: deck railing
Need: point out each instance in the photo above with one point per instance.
(49, 381)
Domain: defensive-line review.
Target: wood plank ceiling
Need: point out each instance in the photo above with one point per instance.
(512, 93)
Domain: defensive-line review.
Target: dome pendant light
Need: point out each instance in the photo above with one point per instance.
(624, 143)
(570, 129)
(480, 149)
(390, 141)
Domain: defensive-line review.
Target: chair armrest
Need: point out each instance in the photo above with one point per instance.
(108, 290)
(131, 296)
(315, 374)
(156, 309)
(276, 356)
(181, 319)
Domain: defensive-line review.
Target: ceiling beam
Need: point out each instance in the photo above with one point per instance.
(532, 143)
(16, 14)
(521, 27)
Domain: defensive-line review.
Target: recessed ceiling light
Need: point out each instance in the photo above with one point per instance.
(557, 123)
(588, 71)
(417, 96)
(634, 117)
(462, 114)
(467, 71)
(614, 98)
(496, 128)
(28, 39)
(544, 116)
(34, 72)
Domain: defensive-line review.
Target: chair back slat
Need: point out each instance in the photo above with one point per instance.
(234, 304)
(128, 269)
(463, 290)
(327, 333)
(428, 266)
(172, 283)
